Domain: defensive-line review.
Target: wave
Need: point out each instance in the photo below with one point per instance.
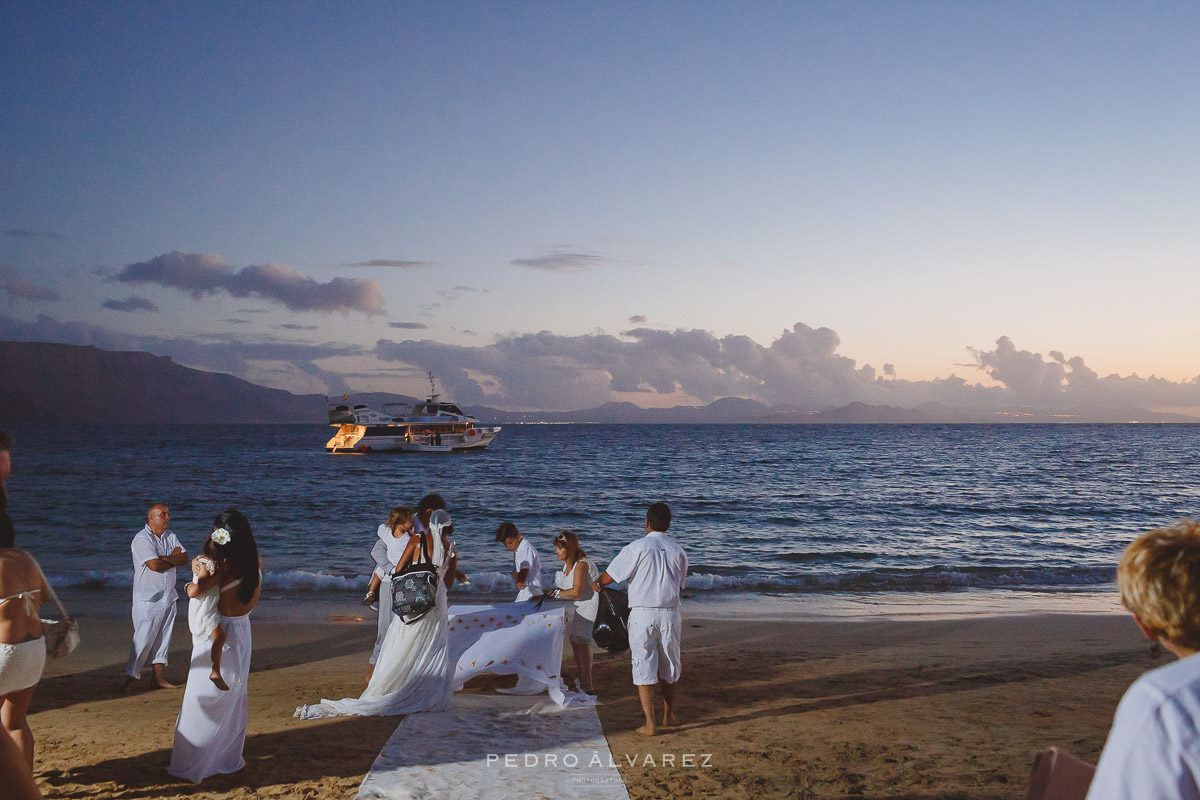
(928, 579)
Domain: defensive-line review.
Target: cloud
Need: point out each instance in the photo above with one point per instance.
(291, 326)
(224, 355)
(21, 233)
(801, 369)
(385, 262)
(203, 274)
(18, 288)
(637, 319)
(133, 303)
(408, 326)
(562, 262)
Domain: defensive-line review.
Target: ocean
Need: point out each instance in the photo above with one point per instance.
(872, 511)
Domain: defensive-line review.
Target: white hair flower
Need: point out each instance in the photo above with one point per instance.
(220, 536)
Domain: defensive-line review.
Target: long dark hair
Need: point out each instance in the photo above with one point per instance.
(241, 551)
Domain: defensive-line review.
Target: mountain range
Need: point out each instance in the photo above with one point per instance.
(44, 382)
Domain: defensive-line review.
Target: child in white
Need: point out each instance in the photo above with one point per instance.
(528, 577)
(204, 619)
(527, 566)
(656, 569)
(1153, 750)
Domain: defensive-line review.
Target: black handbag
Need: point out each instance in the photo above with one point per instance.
(414, 588)
(611, 628)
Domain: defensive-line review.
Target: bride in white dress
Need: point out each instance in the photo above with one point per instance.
(412, 672)
(211, 729)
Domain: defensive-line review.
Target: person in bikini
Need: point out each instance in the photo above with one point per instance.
(23, 589)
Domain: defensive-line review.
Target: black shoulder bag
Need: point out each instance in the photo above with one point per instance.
(414, 588)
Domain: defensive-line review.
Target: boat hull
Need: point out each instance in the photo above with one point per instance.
(355, 439)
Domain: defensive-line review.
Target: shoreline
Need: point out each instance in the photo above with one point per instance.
(919, 705)
(277, 606)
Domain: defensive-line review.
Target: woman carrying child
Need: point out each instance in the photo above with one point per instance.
(204, 618)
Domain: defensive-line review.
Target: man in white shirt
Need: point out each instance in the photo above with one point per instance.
(156, 554)
(656, 568)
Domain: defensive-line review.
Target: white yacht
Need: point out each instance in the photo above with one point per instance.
(430, 427)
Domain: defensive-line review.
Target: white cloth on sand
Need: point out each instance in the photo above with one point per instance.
(513, 639)
(412, 671)
(211, 728)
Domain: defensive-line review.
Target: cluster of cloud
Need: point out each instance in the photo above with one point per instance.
(205, 274)
(388, 262)
(132, 303)
(17, 288)
(562, 262)
(799, 370)
(22, 233)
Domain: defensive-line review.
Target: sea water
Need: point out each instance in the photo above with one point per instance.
(882, 513)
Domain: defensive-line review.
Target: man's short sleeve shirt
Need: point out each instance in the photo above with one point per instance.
(150, 586)
(655, 567)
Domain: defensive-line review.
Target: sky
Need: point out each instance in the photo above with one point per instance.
(551, 205)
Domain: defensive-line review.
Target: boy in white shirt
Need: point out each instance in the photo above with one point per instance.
(1153, 749)
(527, 572)
(656, 568)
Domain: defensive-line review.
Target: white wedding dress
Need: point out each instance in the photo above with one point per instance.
(211, 728)
(412, 672)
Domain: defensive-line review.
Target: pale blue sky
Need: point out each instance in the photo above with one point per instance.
(918, 177)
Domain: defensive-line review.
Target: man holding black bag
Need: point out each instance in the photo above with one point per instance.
(656, 568)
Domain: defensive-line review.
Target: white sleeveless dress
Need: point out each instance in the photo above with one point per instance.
(412, 672)
(211, 728)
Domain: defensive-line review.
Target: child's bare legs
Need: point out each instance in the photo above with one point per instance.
(373, 590)
(583, 659)
(218, 645)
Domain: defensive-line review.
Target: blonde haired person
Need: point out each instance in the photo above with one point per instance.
(574, 582)
(1153, 749)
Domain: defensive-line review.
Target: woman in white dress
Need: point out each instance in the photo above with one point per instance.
(412, 672)
(574, 582)
(211, 729)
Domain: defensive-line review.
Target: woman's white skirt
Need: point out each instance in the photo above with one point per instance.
(211, 728)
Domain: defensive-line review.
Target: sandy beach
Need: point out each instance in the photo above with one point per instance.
(900, 708)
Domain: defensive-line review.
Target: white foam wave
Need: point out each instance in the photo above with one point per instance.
(301, 581)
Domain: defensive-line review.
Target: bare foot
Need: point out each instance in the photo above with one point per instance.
(646, 730)
(218, 681)
(129, 684)
(669, 722)
(163, 683)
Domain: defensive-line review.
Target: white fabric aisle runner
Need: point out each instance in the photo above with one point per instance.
(496, 746)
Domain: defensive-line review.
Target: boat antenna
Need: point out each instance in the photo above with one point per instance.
(433, 395)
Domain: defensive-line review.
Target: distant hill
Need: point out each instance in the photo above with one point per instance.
(42, 382)
(45, 382)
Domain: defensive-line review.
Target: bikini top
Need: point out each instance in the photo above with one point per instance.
(27, 596)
